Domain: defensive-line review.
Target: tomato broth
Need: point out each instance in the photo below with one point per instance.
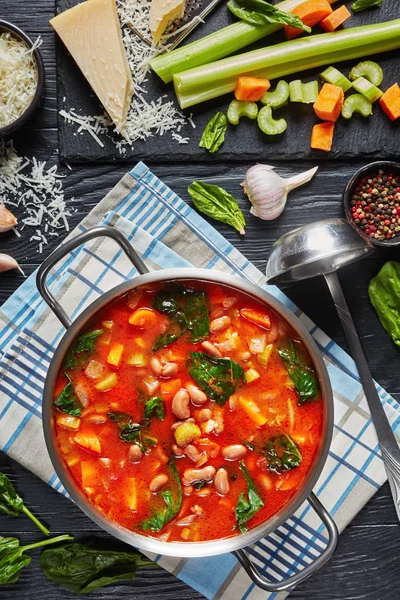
(180, 399)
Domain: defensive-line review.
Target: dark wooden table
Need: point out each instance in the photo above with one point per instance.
(366, 565)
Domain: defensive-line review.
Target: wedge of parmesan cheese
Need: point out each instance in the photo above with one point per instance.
(162, 13)
(92, 34)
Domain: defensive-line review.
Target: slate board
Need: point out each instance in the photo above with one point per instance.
(359, 137)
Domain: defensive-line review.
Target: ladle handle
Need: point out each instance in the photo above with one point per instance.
(387, 441)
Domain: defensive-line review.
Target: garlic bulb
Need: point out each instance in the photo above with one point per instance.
(8, 262)
(267, 191)
(7, 219)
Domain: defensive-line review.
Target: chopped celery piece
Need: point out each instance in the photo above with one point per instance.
(356, 103)
(268, 124)
(251, 375)
(296, 91)
(241, 108)
(368, 69)
(335, 77)
(136, 360)
(263, 357)
(274, 62)
(310, 92)
(367, 89)
(278, 97)
(303, 92)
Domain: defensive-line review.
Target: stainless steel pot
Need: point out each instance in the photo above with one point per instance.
(185, 549)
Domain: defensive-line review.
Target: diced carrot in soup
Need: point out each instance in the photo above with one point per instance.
(139, 434)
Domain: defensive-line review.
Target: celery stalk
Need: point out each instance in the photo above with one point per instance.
(218, 78)
(217, 45)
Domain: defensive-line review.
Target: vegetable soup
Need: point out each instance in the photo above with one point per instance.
(188, 411)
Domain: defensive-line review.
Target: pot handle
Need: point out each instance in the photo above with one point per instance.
(66, 248)
(280, 586)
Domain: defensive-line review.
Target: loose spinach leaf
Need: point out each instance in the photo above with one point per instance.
(12, 504)
(66, 400)
(13, 560)
(217, 377)
(200, 484)
(129, 431)
(154, 406)
(187, 309)
(215, 202)
(282, 453)
(302, 375)
(246, 508)
(83, 568)
(172, 506)
(361, 5)
(214, 134)
(82, 349)
(384, 293)
(259, 12)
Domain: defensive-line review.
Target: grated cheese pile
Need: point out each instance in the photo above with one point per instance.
(18, 77)
(145, 118)
(36, 191)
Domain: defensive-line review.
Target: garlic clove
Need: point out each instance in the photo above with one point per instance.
(8, 262)
(7, 219)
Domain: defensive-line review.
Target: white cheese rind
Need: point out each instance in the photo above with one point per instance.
(92, 34)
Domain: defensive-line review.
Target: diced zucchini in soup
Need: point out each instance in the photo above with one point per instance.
(172, 425)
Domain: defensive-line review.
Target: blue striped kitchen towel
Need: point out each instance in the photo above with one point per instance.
(168, 233)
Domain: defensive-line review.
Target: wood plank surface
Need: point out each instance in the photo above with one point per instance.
(366, 565)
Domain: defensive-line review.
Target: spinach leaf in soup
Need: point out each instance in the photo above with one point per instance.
(248, 504)
(384, 293)
(282, 453)
(217, 377)
(173, 503)
(129, 431)
(177, 327)
(154, 406)
(82, 349)
(197, 316)
(66, 400)
(302, 374)
(83, 568)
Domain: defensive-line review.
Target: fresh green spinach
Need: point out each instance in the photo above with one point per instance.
(217, 377)
(214, 133)
(154, 406)
(177, 327)
(361, 5)
(384, 293)
(248, 506)
(66, 400)
(82, 349)
(83, 568)
(12, 504)
(217, 203)
(129, 431)
(302, 375)
(282, 453)
(259, 12)
(172, 506)
(13, 559)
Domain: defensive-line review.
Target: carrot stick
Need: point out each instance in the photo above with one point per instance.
(335, 19)
(390, 102)
(251, 88)
(311, 13)
(329, 102)
(322, 136)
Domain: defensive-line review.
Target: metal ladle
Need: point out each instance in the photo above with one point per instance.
(322, 248)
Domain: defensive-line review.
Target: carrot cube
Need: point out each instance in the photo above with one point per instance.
(390, 102)
(91, 475)
(253, 411)
(88, 440)
(169, 388)
(251, 88)
(329, 103)
(335, 19)
(322, 136)
(115, 355)
(311, 13)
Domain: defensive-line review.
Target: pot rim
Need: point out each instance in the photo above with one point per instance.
(187, 549)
